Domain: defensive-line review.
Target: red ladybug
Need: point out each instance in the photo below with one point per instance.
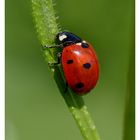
(79, 62)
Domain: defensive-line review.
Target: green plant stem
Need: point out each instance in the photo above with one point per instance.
(47, 28)
(129, 116)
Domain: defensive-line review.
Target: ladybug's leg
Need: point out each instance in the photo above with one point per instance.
(54, 46)
(58, 60)
(58, 46)
(58, 54)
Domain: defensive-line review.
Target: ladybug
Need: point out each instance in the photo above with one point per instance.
(79, 62)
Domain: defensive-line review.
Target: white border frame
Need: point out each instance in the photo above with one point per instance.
(137, 63)
(2, 71)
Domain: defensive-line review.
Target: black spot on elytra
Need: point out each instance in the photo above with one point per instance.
(69, 61)
(85, 45)
(87, 65)
(79, 85)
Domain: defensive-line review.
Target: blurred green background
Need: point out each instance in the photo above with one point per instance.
(35, 110)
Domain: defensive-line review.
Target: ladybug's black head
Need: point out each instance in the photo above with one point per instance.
(67, 38)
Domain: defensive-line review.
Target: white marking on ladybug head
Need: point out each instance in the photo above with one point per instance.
(84, 41)
(79, 44)
(62, 37)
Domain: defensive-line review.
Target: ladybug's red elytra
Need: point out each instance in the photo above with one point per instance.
(79, 62)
